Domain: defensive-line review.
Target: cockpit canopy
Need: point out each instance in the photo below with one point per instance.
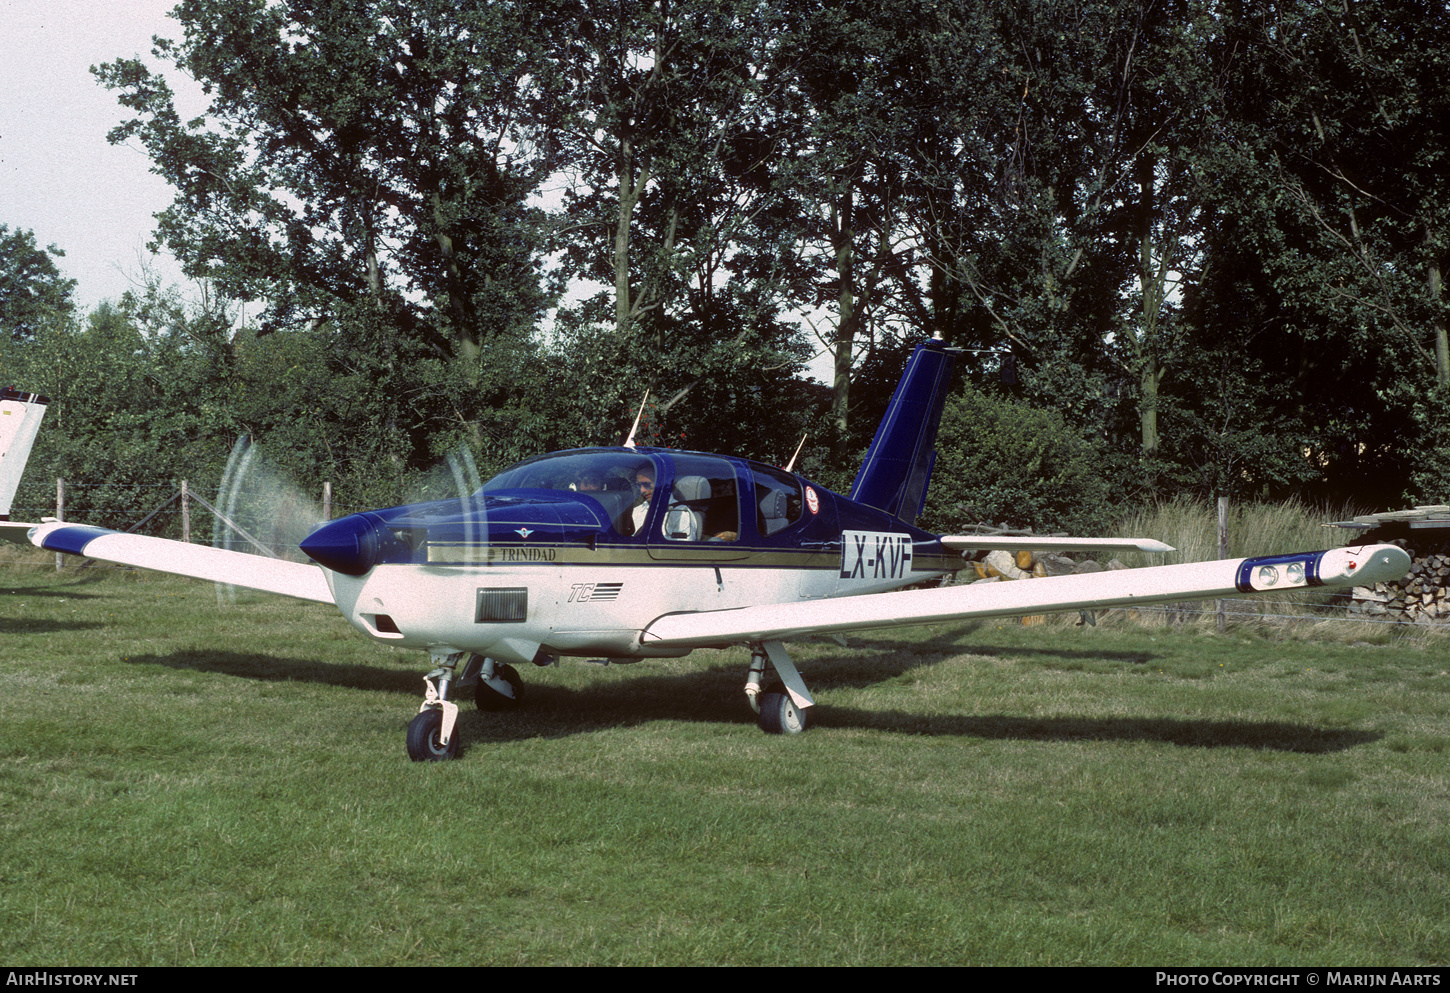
(580, 471)
(677, 496)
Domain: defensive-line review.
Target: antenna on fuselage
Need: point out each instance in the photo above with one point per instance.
(790, 466)
(629, 442)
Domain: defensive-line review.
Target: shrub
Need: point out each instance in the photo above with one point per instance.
(1003, 462)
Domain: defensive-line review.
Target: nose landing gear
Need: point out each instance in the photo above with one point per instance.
(432, 735)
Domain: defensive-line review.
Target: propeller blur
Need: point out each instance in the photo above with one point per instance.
(634, 553)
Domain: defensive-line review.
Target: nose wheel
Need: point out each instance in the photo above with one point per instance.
(432, 735)
(425, 738)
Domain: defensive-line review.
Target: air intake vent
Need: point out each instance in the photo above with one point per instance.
(506, 605)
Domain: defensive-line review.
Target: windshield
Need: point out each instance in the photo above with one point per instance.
(579, 472)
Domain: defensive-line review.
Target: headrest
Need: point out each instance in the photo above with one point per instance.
(689, 488)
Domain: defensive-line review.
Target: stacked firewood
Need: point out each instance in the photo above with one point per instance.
(1421, 596)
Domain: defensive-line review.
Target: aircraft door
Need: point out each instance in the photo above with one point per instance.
(699, 519)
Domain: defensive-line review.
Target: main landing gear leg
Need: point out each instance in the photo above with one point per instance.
(784, 705)
(431, 736)
(499, 686)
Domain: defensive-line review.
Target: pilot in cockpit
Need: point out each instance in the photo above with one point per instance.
(644, 481)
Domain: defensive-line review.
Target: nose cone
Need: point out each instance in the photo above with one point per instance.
(348, 545)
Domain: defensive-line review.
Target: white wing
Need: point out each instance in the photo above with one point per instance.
(974, 542)
(1118, 588)
(254, 572)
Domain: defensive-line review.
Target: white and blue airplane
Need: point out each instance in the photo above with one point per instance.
(634, 553)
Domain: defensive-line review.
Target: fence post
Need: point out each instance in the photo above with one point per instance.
(185, 512)
(327, 500)
(60, 516)
(1222, 552)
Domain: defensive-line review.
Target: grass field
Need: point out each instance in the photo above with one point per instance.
(183, 783)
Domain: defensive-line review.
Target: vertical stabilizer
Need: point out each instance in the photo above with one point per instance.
(898, 465)
(20, 415)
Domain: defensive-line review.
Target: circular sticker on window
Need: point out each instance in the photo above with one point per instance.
(813, 501)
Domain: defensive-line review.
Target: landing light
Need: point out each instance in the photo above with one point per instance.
(1278, 572)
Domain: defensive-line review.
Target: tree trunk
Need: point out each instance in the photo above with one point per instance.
(848, 321)
(1442, 333)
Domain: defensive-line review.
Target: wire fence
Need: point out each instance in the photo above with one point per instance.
(169, 509)
(264, 519)
(1253, 609)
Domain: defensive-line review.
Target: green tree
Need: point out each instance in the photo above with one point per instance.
(130, 415)
(663, 127)
(1360, 134)
(352, 154)
(1330, 235)
(1002, 462)
(1068, 198)
(32, 289)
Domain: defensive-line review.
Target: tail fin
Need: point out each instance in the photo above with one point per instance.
(20, 415)
(898, 464)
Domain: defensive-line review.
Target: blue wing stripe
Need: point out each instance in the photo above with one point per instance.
(73, 539)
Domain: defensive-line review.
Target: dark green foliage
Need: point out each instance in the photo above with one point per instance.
(351, 155)
(148, 394)
(1346, 218)
(1430, 475)
(130, 414)
(1212, 239)
(1002, 462)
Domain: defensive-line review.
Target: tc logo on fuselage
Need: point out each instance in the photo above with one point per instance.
(596, 592)
(872, 555)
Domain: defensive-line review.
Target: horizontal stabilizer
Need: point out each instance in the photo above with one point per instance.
(1337, 567)
(974, 543)
(254, 572)
(16, 532)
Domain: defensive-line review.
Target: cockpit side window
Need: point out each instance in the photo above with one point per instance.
(704, 501)
(777, 500)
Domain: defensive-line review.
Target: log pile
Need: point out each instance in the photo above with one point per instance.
(1421, 597)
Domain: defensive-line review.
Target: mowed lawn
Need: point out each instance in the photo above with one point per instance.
(183, 782)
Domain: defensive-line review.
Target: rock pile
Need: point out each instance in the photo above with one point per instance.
(1027, 565)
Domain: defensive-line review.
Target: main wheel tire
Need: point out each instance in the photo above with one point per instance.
(779, 714)
(489, 698)
(424, 734)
